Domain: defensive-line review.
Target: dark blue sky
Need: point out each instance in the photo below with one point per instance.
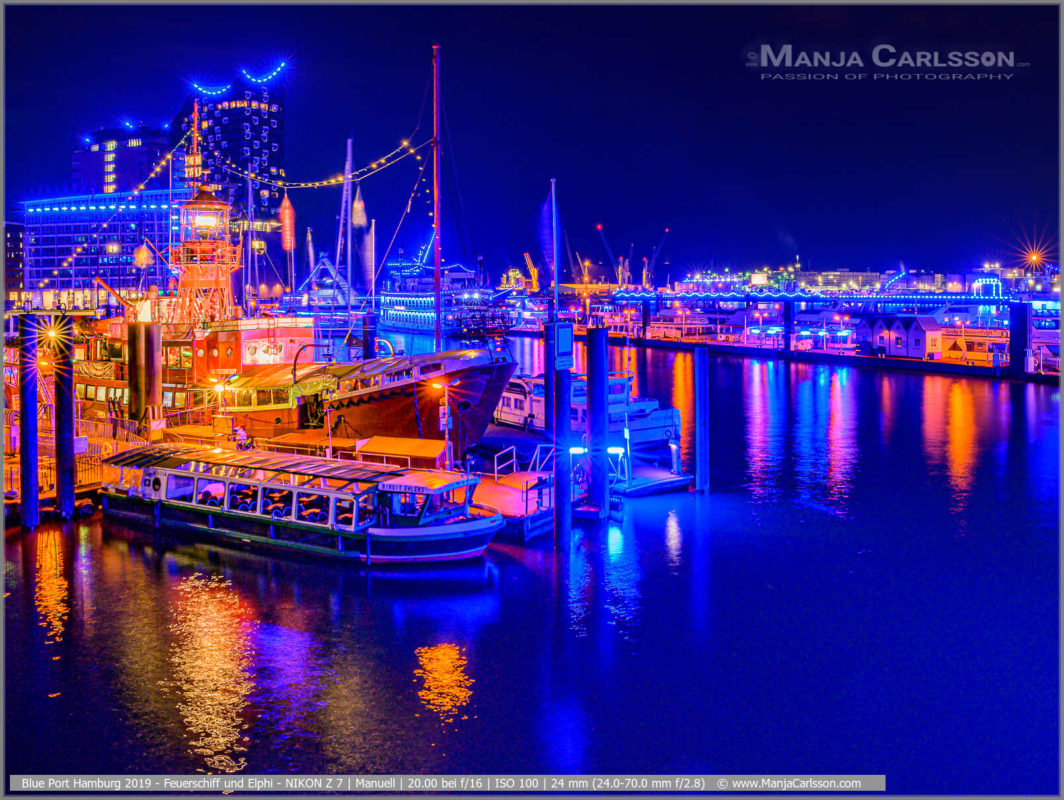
(648, 117)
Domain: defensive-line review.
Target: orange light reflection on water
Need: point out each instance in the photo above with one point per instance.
(211, 661)
(446, 686)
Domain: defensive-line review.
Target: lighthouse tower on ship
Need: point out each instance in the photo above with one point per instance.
(205, 258)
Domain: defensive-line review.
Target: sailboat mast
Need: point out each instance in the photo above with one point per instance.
(556, 244)
(436, 190)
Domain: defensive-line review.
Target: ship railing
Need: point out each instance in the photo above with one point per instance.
(201, 415)
(502, 461)
(542, 457)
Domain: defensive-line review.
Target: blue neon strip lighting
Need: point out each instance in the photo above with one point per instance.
(264, 78)
(213, 90)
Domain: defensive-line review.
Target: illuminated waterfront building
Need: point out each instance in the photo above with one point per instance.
(115, 160)
(241, 123)
(13, 258)
(109, 229)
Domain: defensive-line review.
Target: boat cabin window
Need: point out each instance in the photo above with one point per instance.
(168, 399)
(243, 497)
(179, 399)
(345, 513)
(516, 388)
(179, 487)
(537, 390)
(313, 508)
(405, 504)
(80, 389)
(210, 492)
(354, 511)
(519, 405)
(90, 391)
(277, 503)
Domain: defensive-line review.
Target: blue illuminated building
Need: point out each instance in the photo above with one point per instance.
(109, 228)
(242, 122)
(116, 160)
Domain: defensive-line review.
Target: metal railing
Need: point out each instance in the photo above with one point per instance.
(543, 455)
(501, 465)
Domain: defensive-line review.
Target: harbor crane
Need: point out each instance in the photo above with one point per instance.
(613, 261)
(533, 272)
(648, 266)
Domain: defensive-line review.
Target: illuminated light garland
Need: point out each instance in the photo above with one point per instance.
(265, 78)
(211, 91)
(373, 168)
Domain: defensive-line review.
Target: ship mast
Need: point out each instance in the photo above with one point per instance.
(436, 189)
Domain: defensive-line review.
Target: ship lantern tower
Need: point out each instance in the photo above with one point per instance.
(205, 259)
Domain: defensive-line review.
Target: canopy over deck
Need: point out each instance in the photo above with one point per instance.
(176, 455)
(427, 482)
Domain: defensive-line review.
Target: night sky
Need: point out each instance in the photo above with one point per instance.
(648, 118)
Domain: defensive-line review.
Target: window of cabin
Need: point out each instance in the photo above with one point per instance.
(243, 497)
(90, 391)
(312, 508)
(345, 514)
(277, 503)
(179, 487)
(210, 492)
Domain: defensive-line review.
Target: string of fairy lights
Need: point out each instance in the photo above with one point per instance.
(404, 150)
(158, 168)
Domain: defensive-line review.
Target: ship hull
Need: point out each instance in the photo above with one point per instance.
(414, 410)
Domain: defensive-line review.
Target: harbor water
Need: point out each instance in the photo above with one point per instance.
(871, 587)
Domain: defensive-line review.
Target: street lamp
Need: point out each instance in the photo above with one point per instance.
(447, 408)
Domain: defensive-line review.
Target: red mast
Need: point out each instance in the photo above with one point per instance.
(436, 188)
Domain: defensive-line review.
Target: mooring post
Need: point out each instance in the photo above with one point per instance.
(598, 375)
(369, 336)
(563, 493)
(63, 376)
(29, 485)
(550, 354)
(135, 377)
(1019, 337)
(788, 327)
(701, 420)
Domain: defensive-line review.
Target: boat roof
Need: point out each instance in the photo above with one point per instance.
(427, 482)
(398, 446)
(176, 455)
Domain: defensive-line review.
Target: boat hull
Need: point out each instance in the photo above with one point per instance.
(453, 542)
(413, 410)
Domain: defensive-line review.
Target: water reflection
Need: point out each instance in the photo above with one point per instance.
(211, 660)
(51, 593)
(445, 687)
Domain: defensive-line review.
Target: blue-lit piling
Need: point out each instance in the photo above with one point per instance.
(29, 485)
(563, 495)
(788, 328)
(369, 336)
(550, 352)
(63, 376)
(1020, 343)
(701, 418)
(598, 372)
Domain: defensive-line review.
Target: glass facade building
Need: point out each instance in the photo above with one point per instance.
(116, 160)
(14, 234)
(241, 123)
(56, 227)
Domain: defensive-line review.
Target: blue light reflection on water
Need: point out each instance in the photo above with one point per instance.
(870, 587)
